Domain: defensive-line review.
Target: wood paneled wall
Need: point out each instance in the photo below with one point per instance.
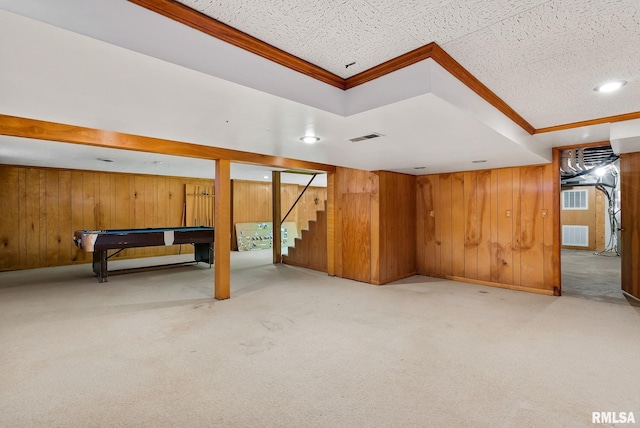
(630, 222)
(593, 217)
(310, 250)
(356, 199)
(252, 203)
(496, 227)
(40, 209)
(397, 226)
(374, 239)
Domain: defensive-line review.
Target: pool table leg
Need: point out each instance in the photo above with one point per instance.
(100, 265)
(203, 253)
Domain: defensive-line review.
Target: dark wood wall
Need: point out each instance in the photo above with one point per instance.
(630, 222)
(374, 237)
(356, 198)
(498, 227)
(40, 209)
(252, 203)
(397, 226)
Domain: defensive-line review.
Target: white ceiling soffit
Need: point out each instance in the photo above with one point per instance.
(574, 136)
(130, 26)
(78, 80)
(30, 152)
(543, 57)
(625, 136)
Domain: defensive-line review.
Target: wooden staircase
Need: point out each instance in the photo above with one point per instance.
(310, 249)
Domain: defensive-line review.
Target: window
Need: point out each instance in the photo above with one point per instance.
(575, 199)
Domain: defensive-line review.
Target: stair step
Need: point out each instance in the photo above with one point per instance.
(305, 253)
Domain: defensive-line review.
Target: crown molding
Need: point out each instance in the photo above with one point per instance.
(599, 121)
(468, 79)
(397, 63)
(201, 22)
(584, 145)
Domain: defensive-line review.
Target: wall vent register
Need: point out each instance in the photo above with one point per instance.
(366, 137)
(575, 199)
(575, 236)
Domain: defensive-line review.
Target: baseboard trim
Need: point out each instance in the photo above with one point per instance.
(292, 263)
(395, 278)
(499, 285)
(630, 295)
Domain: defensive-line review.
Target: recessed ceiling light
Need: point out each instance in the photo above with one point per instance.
(610, 86)
(105, 160)
(479, 161)
(309, 139)
(266, 177)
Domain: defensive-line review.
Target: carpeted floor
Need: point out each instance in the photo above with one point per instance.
(295, 348)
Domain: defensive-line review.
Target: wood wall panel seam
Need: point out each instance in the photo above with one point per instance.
(86, 200)
(510, 199)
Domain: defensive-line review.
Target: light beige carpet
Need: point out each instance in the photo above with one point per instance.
(295, 348)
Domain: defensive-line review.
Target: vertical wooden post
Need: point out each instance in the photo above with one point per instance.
(551, 224)
(276, 210)
(331, 224)
(222, 221)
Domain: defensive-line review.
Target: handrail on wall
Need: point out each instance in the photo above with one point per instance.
(299, 196)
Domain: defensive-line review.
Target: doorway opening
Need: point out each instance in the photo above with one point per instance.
(590, 223)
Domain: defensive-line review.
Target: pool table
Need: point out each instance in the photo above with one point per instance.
(99, 242)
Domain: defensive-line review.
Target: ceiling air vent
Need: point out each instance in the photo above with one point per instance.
(366, 137)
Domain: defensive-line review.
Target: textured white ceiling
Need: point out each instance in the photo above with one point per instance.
(545, 62)
(111, 64)
(542, 57)
(333, 33)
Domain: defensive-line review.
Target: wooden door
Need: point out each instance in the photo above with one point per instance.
(356, 236)
(630, 222)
